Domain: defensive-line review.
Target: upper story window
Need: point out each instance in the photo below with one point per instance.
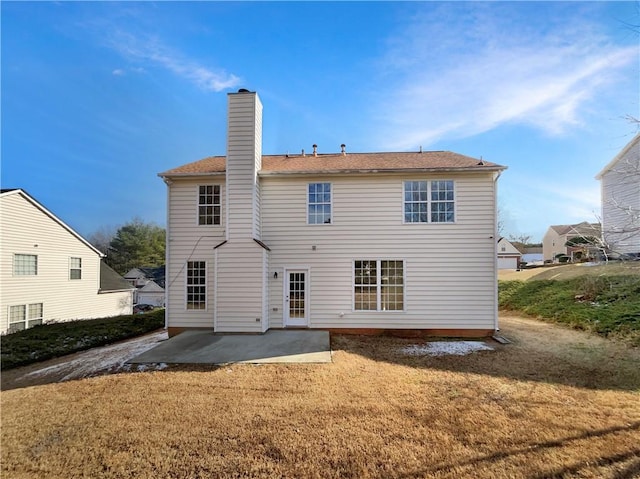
(429, 201)
(75, 268)
(209, 205)
(25, 264)
(319, 203)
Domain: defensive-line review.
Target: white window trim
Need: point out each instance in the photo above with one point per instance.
(72, 268)
(330, 202)
(206, 285)
(455, 202)
(198, 205)
(13, 266)
(378, 286)
(26, 315)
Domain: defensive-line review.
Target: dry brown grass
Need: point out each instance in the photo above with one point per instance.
(555, 403)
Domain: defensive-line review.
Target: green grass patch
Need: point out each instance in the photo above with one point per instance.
(607, 305)
(58, 339)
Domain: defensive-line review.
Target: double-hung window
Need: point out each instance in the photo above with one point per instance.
(75, 268)
(196, 285)
(25, 264)
(209, 205)
(319, 204)
(24, 316)
(429, 201)
(378, 285)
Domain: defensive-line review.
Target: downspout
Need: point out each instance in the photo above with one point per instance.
(168, 182)
(496, 175)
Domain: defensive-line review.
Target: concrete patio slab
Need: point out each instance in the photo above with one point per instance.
(205, 347)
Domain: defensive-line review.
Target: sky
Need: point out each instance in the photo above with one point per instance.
(97, 98)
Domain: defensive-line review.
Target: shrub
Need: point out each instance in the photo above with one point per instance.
(57, 339)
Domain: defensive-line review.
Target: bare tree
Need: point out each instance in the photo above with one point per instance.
(102, 237)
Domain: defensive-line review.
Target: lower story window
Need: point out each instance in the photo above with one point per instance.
(378, 285)
(24, 316)
(196, 285)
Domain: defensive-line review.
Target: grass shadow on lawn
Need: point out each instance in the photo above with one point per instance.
(585, 361)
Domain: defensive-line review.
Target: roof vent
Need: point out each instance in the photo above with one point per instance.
(315, 150)
(481, 162)
(303, 152)
(420, 148)
(243, 90)
(342, 147)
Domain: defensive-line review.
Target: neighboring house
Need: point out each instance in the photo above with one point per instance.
(620, 192)
(48, 272)
(149, 284)
(508, 255)
(556, 237)
(345, 241)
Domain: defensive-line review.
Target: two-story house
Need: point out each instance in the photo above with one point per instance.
(620, 196)
(356, 242)
(48, 272)
(554, 242)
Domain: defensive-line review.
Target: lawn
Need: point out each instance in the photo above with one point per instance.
(553, 403)
(604, 299)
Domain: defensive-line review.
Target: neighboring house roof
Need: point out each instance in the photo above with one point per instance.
(34, 202)
(510, 250)
(110, 281)
(156, 274)
(151, 287)
(617, 158)
(344, 163)
(584, 228)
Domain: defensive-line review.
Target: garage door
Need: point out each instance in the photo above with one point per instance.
(507, 263)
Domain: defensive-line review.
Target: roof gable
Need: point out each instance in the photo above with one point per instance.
(17, 191)
(619, 156)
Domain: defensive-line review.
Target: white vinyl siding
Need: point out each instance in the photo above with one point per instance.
(449, 268)
(25, 264)
(27, 229)
(188, 241)
(621, 202)
(75, 268)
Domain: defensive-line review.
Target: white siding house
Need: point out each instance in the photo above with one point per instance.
(356, 242)
(48, 272)
(620, 190)
(508, 255)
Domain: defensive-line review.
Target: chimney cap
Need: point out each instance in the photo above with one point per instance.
(243, 90)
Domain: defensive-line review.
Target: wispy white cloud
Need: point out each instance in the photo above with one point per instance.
(153, 51)
(118, 72)
(454, 73)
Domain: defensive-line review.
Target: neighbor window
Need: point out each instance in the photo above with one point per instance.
(209, 205)
(75, 268)
(319, 199)
(429, 201)
(25, 264)
(24, 316)
(196, 285)
(378, 285)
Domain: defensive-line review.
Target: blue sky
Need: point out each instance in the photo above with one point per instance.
(98, 97)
